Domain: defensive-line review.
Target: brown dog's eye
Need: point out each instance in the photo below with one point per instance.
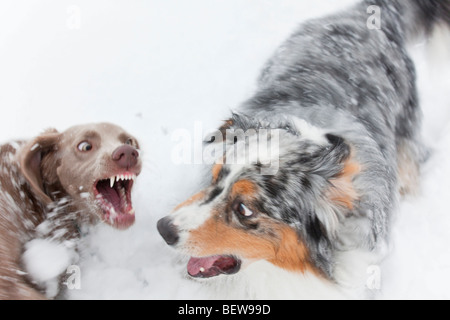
(85, 146)
(243, 210)
(130, 142)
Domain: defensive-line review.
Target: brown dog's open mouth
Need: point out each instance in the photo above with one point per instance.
(213, 266)
(114, 197)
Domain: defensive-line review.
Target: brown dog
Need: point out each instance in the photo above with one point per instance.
(62, 180)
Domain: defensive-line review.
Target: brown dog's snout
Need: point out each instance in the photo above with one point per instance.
(168, 231)
(126, 157)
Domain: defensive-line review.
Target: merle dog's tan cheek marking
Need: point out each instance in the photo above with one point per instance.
(281, 247)
(292, 253)
(215, 237)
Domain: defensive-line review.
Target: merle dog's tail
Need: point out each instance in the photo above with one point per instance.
(417, 18)
(421, 17)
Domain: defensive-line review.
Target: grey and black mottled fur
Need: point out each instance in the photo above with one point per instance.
(359, 86)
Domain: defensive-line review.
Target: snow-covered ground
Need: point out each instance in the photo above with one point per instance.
(158, 66)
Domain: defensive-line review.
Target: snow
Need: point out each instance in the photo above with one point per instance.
(45, 261)
(160, 66)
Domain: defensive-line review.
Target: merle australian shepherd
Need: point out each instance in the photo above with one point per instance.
(340, 96)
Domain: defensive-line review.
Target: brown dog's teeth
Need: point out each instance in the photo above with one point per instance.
(122, 177)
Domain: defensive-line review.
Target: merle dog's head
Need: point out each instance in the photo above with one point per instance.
(287, 214)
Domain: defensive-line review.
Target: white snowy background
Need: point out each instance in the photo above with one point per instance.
(157, 66)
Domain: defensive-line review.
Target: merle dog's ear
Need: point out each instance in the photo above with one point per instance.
(227, 125)
(327, 158)
(219, 135)
(342, 191)
(240, 121)
(31, 157)
(339, 148)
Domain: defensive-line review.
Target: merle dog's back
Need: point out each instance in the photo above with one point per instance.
(358, 82)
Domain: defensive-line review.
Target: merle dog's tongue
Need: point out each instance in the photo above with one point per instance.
(212, 266)
(200, 265)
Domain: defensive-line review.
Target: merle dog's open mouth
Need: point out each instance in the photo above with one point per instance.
(213, 266)
(114, 198)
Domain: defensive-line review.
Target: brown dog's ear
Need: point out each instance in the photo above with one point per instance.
(31, 158)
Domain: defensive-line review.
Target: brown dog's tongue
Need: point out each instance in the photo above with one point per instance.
(109, 194)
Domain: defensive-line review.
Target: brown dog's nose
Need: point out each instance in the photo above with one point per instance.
(126, 157)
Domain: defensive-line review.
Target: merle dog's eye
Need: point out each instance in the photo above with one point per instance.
(243, 210)
(85, 146)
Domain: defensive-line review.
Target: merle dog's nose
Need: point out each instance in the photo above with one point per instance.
(168, 231)
(126, 157)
